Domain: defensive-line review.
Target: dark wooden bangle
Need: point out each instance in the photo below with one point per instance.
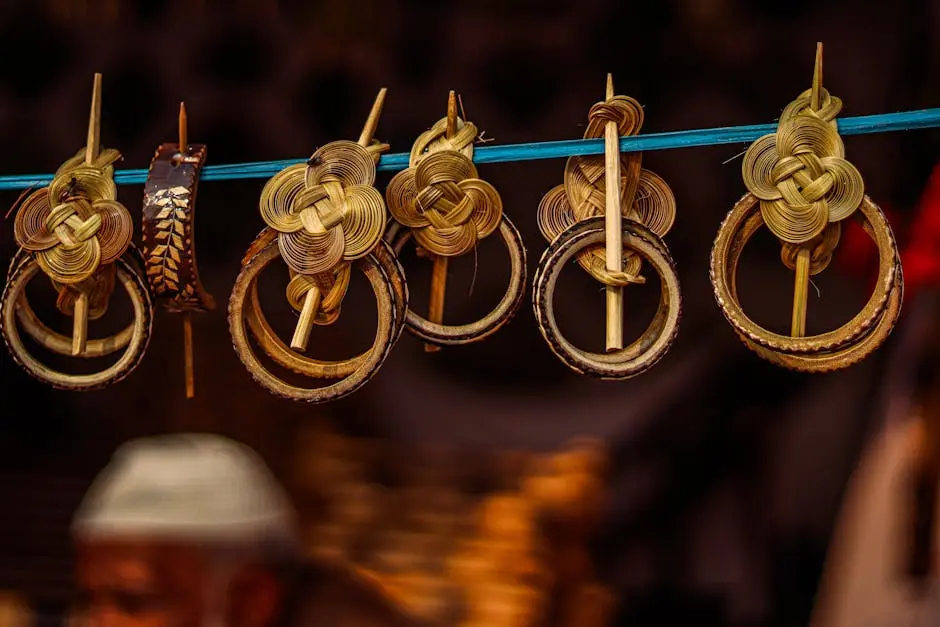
(454, 335)
(655, 342)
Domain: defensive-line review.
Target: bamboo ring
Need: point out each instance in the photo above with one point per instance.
(847, 355)
(62, 344)
(386, 332)
(735, 231)
(452, 335)
(650, 347)
(12, 303)
(281, 354)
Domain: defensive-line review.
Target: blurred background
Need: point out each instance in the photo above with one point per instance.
(726, 473)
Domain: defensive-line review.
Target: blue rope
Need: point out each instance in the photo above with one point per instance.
(880, 123)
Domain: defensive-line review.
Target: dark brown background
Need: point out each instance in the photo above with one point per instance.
(728, 471)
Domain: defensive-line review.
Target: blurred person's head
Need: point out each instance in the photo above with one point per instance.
(185, 530)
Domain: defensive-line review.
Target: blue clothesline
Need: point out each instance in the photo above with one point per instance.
(880, 123)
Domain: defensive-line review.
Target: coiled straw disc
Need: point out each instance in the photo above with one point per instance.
(116, 230)
(29, 225)
(343, 161)
(277, 199)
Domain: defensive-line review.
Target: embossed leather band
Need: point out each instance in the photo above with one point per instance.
(168, 227)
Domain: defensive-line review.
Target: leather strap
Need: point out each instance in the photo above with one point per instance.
(168, 217)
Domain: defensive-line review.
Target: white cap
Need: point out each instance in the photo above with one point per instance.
(189, 487)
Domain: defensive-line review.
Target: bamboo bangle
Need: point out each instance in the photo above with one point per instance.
(451, 335)
(281, 354)
(845, 356)
(62, 344)
(14, 298)
(650, 347)
(374, 358)
(740, 224)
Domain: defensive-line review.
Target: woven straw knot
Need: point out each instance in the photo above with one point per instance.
(619, 109)
(619, 279)
(68, 226)
(444, 203)
(327, 212)
(76, 225)
(332, 286)
(800, 174)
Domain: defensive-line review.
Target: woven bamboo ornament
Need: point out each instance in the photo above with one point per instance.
(447, 209)
(78, 234)
(801, 187)
(168, 240)
(610, 215)
(322, 216)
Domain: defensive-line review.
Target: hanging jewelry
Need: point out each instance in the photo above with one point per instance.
(77, 233)
(610, 215)
(323, 217)
(801, 187)
(168, 240)
(448, 210)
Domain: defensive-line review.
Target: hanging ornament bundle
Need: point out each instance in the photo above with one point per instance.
(76, 233)
(801, 188)
(610, 215)
(325, 218)
(447, 209)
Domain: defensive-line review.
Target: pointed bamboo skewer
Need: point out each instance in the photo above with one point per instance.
(614, 228)
(440, 262)
(187, 315)
(312, 299)
(92, 148)
(801, 275)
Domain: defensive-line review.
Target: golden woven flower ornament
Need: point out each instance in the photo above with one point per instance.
(76, 232)
(440, 196)
(442, 203)
(326, 211)
(75, 225)
(645, 197)
(800, 173)
(802, 187)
